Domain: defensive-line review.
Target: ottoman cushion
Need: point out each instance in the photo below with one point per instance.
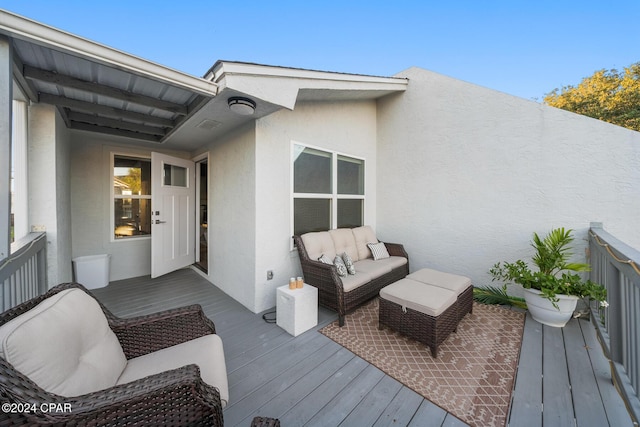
(452, 282)
(418, 296)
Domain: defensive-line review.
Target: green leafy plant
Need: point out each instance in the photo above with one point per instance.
(555, 275)
(497, 296)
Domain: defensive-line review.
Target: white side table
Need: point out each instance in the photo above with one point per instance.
(297, 309)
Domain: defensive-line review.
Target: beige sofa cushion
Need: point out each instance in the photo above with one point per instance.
(418, 296)
(364, 235)
(344, 241)
(381, 266)
(453, 282)
(353, 281)
(206, 352)
(64, 345)
(318, 243)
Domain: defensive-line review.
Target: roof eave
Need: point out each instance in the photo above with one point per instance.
(26, 29)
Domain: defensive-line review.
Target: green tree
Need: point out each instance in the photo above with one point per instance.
(133, 180)
(609, 95)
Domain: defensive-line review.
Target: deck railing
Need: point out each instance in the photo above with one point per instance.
(617, 266)
(24, 274)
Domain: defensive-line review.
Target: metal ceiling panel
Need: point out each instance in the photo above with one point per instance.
(93, 96)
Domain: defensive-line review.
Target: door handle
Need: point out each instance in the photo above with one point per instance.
(160, 222)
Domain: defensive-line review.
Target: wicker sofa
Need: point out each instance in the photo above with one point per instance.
(65, 348)
(345, 293)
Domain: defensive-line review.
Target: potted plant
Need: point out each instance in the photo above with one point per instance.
(552, 291)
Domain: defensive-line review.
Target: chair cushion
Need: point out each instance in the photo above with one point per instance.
(418, 296)
(364, 235)
(353, 281)
(318, 243)
(453, 282)
(381, 266)
(344, 241)
(206, 352)
(64, 345)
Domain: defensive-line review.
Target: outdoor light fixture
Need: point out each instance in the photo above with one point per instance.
(242, 106)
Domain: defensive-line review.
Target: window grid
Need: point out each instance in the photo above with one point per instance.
(115, 233)
(332, 197)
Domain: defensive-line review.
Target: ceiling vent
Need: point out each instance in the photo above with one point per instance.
(208, 124)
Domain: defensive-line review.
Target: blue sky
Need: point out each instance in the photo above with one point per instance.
(525, 48)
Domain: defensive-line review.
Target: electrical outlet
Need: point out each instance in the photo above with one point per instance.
(269, 274)
(38, 228)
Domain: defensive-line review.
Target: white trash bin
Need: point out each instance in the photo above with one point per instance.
(92, 271)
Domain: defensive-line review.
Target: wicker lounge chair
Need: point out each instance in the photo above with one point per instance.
(174, 397)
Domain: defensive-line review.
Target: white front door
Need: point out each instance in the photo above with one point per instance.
(172, 216)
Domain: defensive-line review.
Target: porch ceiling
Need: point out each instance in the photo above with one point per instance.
(98, 98)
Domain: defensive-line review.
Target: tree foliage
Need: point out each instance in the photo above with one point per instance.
(134, 180)
(609, 95)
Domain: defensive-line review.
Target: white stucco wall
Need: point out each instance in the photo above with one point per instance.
(91, 204)
(466, 174)
(48, 187)
(63, 200)
(345, 127)
(232, 214)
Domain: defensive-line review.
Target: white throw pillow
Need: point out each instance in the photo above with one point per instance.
(351, 269)
(378, 250)
(342, 269)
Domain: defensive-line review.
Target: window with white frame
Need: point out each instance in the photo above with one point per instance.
(328, 190)
(131, 177)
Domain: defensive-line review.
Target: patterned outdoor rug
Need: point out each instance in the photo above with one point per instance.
(473, 375)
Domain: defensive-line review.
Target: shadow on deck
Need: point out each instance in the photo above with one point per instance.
(311, 380)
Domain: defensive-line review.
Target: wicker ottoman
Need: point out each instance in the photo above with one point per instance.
(423, 312)
(459, 284)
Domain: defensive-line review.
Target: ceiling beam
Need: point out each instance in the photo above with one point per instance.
(100, 89)
(26, 86)
(113, 123)
(112, 131)
(90, 107)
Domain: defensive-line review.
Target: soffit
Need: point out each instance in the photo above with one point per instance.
(98, 98)
(100, 89)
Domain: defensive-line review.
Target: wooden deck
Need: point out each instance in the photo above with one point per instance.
(311, 380)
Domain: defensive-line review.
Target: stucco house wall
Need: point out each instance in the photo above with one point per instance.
(347, 127)
(90, 184)
(232, 214)
(466, 174)
(48, 181)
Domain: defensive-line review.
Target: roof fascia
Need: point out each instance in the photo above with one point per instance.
(285, 83)
(34, 32)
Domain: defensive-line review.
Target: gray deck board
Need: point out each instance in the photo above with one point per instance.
(559, 410)
(587, 402)
(526, 406)
(428, 415)
(375, 401)
(311, 380)
(327, 357)
(347, 399)
(401, 409)
(322, 394)
(617, 414)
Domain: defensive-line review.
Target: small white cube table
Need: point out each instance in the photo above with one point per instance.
(297, 309)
